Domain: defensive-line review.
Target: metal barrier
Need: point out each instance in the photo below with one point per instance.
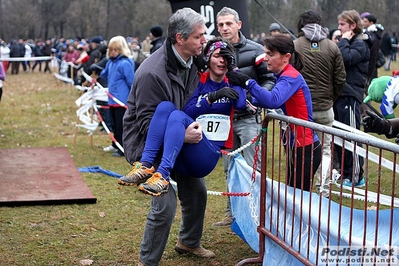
(348, 226)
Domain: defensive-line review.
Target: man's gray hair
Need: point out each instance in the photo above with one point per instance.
(228, 11)
(183, 21)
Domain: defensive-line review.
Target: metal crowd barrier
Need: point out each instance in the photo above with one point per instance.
(348, 226)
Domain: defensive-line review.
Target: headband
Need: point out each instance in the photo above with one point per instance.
(213, 47)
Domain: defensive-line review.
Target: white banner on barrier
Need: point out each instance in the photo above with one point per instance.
(22, 59)
(63, 78)
(86, 102)
(95, 93)
(282, 219)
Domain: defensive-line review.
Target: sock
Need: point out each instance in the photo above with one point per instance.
(146, 164)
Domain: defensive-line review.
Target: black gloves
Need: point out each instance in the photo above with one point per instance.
(376, 124)
(223, 92)
(237, 78)
(230, 57)
(201, 64)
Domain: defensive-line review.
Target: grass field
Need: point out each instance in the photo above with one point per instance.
(38, 111)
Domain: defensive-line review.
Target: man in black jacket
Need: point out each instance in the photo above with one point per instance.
(156, 38)
(14, 52)
(37, 51)
(353, 43)
(46, 51)
(250, 61)
(94, 53)
(373, 29)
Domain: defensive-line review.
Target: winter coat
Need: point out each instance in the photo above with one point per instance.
(37, 51)
(394, 42)
(375, 31)
(356, 56)
(28, 51)
(250, 60)
(4, 51)
(157, 43)
(119, 73)
(71, 57)
(94, 57)
(21, 49)
(14, 49)
(386, 45)
(156, 80)
(138, 57)
(46, 50)
(324, 69)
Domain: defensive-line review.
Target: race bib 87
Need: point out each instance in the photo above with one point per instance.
(216, 127)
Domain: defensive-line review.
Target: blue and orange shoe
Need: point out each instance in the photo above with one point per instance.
(155, 186)
(139, 174)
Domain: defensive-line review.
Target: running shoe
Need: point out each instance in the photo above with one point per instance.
(348, 183)
(139, 174)
(155, 186)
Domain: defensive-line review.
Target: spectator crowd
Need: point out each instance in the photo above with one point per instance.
(318, 75)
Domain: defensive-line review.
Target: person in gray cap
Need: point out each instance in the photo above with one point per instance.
(274, 29)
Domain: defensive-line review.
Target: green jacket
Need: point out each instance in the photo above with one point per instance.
(324, 70)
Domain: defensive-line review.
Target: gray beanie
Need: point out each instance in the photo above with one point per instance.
(274, 26)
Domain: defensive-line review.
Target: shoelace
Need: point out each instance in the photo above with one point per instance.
(136, 166)
(158, 181)
(154, 179)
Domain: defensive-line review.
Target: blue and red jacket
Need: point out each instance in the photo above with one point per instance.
(292, 95)
(198, 105)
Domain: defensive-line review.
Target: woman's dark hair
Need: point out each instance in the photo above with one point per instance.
(308, 17)
(283, 44)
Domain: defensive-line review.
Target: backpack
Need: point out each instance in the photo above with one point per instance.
(380, 59)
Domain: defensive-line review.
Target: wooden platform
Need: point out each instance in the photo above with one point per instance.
(41, 176)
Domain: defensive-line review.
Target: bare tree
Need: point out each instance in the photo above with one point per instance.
(144, 20)
(17, 22)
(88, 18)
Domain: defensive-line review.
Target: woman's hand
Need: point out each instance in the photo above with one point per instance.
(348, 34)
